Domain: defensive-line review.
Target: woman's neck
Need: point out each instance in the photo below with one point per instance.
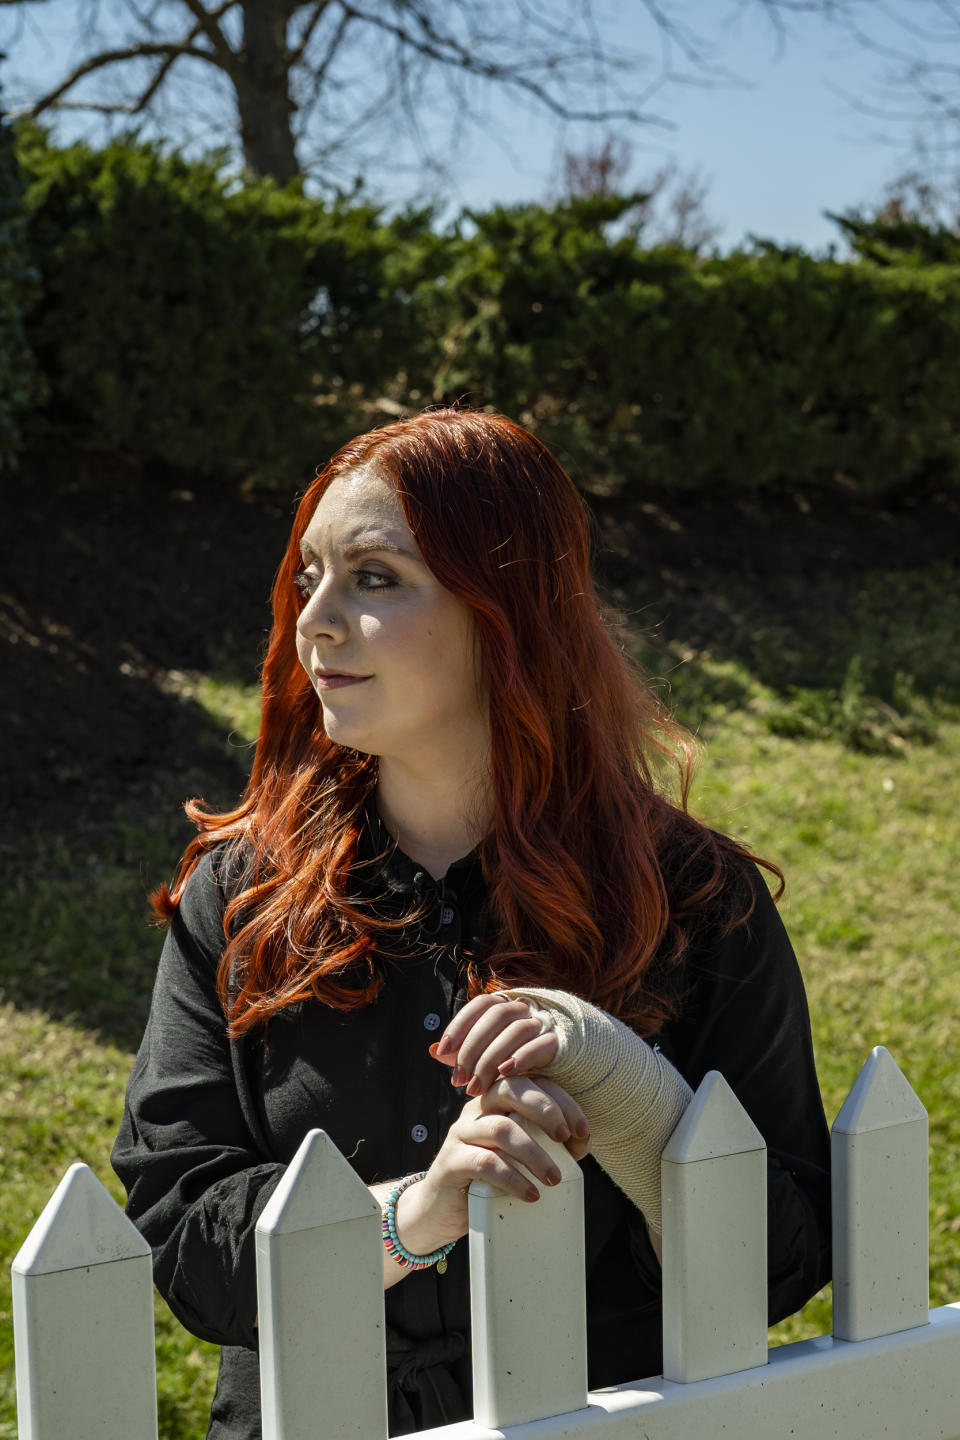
(434, 819)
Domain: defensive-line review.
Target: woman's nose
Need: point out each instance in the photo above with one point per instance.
(320, 616)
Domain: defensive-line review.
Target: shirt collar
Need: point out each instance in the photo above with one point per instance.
(404, 876)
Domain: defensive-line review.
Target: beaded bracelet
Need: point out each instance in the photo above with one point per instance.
(391, 1241)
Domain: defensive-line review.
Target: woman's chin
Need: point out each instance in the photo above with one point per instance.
(342, 731)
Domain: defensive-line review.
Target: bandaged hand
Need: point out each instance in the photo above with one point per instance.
(630, 1093)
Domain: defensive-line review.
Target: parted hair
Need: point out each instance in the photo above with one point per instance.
(596, 876)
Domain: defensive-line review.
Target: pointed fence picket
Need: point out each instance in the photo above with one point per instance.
(526, 1261)
(880, 1205)
(320, 1301)
(84, 1321)
(714, 1193)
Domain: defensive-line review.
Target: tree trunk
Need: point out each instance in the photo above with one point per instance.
(263, 91)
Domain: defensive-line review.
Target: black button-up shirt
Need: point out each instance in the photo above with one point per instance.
(209, 1126)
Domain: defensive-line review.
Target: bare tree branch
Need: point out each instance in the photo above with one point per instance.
(314, 57)
(446, 50)
(320, 65)
(115, 57)
(319, 10)
(209, 23)
(162, 71)
(167, 65)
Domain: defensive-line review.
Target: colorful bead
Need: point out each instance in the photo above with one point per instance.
(391, 1240)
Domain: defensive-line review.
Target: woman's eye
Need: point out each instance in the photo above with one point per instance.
(306, 582)
(373, 580)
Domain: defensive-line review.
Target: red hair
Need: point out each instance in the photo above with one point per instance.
(595, 875)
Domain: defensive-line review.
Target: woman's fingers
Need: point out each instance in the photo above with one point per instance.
(517, 1037)
(545, 1104)
(493, 1035)
(506, 1136)
(487, 1037)
(490, 1165)
(481, 1037)
(572, 1113)
(485, 1027)
(448, 1045)
(532, 1056)
(493, 1147)
(528, 1098)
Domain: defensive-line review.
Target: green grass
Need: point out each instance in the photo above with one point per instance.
(872, 661)
(77, 959)
(232, 706)
(869, 847)
(869, 844)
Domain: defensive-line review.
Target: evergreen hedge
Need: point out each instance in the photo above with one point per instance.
(17, 281)
(233, 330)
(764, 369)
(189, 321)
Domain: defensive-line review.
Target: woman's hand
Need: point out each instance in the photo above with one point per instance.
(494, 1037)
(487, 1142)
(547, 1104)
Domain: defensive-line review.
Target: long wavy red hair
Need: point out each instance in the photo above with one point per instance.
(595, 874)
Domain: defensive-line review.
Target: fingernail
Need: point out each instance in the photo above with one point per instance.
(554, 1177)
(563, 1134)
(508, 1067)
(582, 1130)
(532, 1195)
(433, 1049)
(458, 1077)
(444, 1047)
(473, 1086)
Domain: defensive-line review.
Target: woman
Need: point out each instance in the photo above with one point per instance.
(454, 890)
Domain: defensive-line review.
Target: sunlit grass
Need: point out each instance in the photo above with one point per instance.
(62, 1088)
(869, 845)
(234, 707)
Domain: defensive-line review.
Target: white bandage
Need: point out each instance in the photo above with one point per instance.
(545, 1018)
(630, 1093)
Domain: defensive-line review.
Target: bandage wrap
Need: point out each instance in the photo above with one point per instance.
(630, 1093)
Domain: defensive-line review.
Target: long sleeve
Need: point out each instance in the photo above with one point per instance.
(630, 1093)
(196, 1177)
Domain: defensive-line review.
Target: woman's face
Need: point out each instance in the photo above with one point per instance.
(392, 655)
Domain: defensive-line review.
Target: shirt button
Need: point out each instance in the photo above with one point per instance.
(431, 1021)
(419, 1133)
(446, 915)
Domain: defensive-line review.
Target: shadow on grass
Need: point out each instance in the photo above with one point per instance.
(91, 834)
(839, 620)
(114, 585)
(76, 940)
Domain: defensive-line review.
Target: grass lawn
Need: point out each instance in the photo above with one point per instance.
(868, 842)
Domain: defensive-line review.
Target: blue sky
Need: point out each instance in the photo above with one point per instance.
(778, 151)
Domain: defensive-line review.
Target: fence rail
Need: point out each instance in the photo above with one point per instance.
(83, 1315)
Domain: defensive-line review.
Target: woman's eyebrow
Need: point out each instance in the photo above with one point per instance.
(362, 547)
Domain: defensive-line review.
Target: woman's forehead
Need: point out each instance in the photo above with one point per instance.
(359, 509)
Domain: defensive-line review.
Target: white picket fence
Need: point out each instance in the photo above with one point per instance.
(84, 1320)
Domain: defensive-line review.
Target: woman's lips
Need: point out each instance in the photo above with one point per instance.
(331, 680)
